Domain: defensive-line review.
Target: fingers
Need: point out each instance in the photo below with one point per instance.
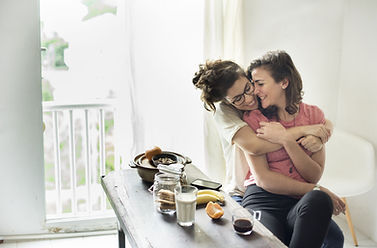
(322, 133)
(327, 134)
(314, 148)
(263, 123)
(338, 211)
(329, 131)
(311, 143)
(339, 206)
(342, 206)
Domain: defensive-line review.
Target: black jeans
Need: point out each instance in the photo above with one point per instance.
(334, 237)
(299, 223)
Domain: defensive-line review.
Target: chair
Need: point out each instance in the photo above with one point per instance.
(349, 168)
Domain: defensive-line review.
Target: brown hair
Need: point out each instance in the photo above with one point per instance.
(214, 78)
(280, 66)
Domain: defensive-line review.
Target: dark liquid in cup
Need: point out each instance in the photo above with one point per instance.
(242, 225)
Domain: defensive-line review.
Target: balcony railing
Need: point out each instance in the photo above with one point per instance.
(79, 144)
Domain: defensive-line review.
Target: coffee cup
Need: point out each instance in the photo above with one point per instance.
(243, 220)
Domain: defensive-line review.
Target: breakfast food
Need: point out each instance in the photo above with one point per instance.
(205, 198)
(214, 210)
(164, 160)
(207, 195)
(213, 192)
(152, 152)
(166, 199)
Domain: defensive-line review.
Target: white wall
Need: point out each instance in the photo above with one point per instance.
(21, 150)
(310, 31)
(356, 109)
(333, 46)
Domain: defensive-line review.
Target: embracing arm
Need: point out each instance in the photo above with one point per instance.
(316, 136)
(277, 183)
(309, 167)
(250, 143)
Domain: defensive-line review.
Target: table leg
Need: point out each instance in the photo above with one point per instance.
(121, 237)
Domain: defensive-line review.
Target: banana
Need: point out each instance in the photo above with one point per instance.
(205, 198)
(212, 192)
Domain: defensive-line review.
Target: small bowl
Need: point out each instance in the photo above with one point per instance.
(164, 158)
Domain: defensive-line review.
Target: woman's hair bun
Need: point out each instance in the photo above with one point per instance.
(214, 78)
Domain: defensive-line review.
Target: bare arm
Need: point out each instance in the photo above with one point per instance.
(250, 143)
(330, 127)
(280, 184)
(320, 131)
(246, 138)
(275, 182)
(309, 167)
(315, 136)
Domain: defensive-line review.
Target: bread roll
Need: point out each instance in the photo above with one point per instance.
(152, 152)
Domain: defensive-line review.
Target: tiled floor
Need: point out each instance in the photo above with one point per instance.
(111, 241)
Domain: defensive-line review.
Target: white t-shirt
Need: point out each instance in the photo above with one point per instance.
(228, 121)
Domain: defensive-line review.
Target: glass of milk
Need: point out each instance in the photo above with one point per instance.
(185, 202)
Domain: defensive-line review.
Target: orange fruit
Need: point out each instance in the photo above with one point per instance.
(214, 210)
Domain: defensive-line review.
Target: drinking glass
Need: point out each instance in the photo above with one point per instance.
(163, 192)
(243, 221)
(185, 201)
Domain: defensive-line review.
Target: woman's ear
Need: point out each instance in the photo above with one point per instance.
(284, 83)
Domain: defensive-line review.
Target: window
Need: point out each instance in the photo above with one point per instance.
(81, 70)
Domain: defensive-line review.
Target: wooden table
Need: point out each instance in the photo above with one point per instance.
(145, 227)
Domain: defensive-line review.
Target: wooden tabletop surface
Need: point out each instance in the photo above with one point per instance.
(145, 227)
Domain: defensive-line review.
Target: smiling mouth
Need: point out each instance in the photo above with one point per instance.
(252, 103)
(262, 98)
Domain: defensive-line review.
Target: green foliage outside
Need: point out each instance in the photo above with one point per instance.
(62, 144)
(49, 175)
(109, 163)
(81, 176)
(109, 123)
(47, 91)
(57, 45)
(97, 8)
(53, 58)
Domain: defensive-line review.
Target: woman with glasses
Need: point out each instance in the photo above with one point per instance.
(227, 92)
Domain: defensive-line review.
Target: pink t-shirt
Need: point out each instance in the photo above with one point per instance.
(279, 160)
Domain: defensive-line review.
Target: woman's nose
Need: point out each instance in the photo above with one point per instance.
(249, 98)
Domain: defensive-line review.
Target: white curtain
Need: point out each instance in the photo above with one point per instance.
(164, 47)
(223, 30)
(165, 43)
(223, 39)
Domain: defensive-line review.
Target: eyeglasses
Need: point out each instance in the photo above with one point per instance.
(240, 99)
